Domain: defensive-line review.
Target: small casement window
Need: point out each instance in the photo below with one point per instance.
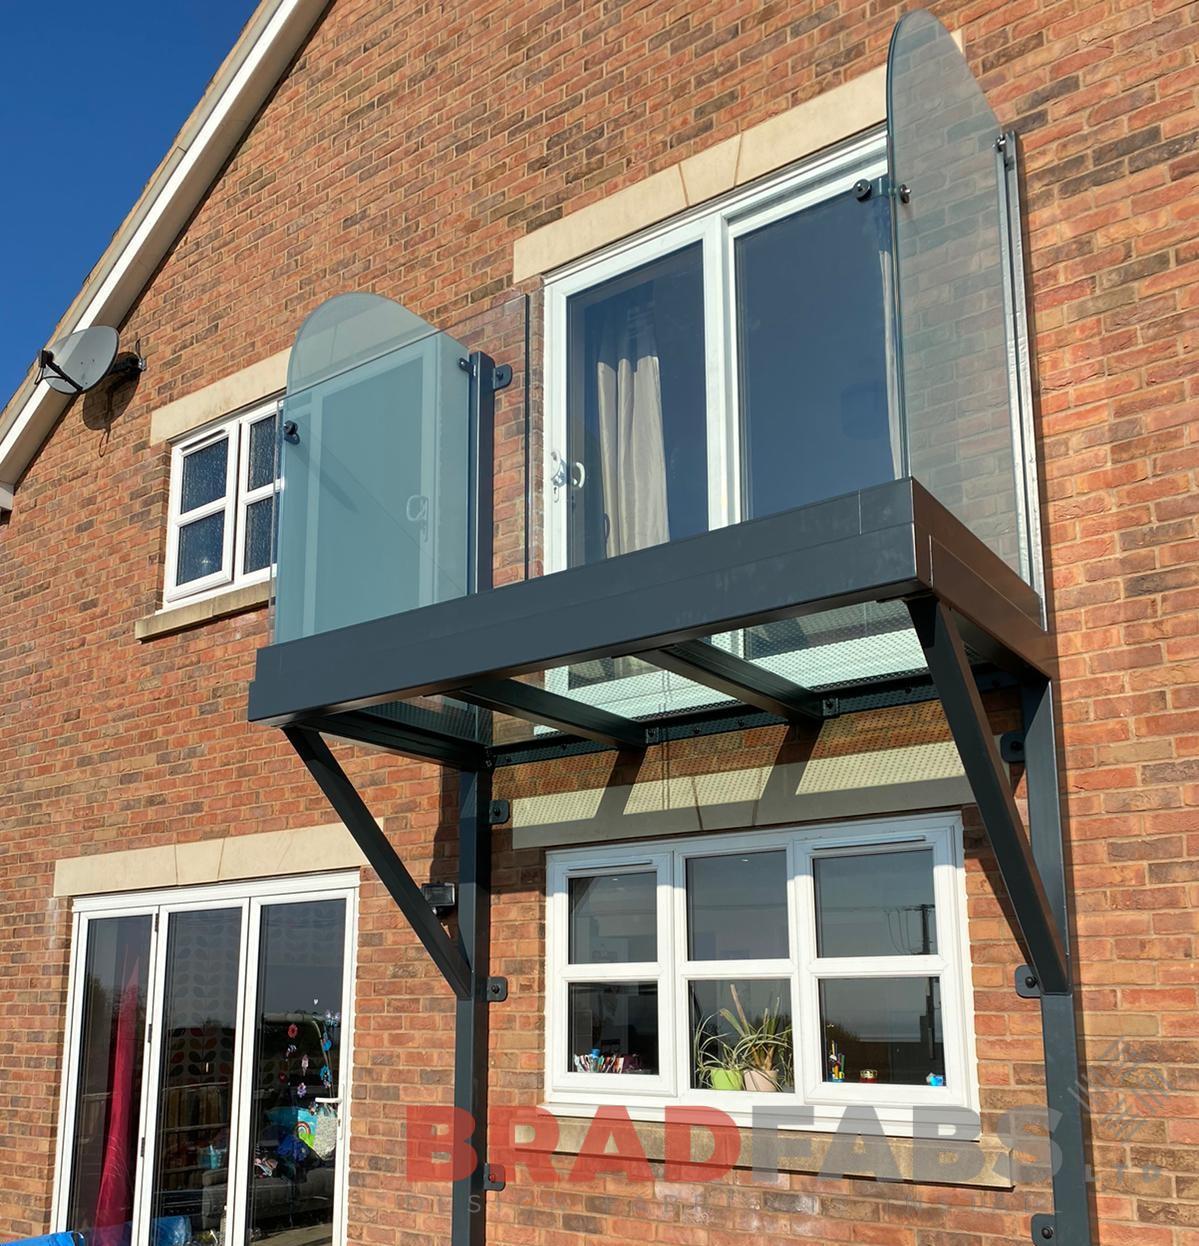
(221, 508)
(822, 968)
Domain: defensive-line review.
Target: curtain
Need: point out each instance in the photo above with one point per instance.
(632, 442)
(114, 1203)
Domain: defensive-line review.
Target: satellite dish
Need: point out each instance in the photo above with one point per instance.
(81, 360)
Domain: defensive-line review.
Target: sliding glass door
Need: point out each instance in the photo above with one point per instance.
(207, 1055)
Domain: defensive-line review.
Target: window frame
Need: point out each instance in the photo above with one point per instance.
(869, 1106)
(250, 897)
(233, 505)
(716, 226)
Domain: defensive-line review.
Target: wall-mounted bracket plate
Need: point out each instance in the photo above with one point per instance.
(1011, 747)
(497, 990)
(499, 812)
(1042, 1229)
(493, 1177)
(501, 377)
(1027, 984)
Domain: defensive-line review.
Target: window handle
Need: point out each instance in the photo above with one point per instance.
(578, 475)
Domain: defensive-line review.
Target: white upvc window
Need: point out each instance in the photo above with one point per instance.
(819, 967)
(220, 529)
(207, 1063)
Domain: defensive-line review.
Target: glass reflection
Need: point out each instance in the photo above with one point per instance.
(876, 904)
(108, 1097)
(195, 1085)
(737, 906)
(614, 918)
(613, 1027)
(883, 1030)
(813, 338)
(201, 548)
(204, 475)
(295, 1107)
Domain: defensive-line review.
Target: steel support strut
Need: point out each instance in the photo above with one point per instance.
(468, 1226)
(954, 681)
(1033, 870)
(1064, 1091)
(360, 822)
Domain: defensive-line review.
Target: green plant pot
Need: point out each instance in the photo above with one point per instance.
(726, 1079)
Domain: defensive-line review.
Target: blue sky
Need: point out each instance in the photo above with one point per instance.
(91, 94)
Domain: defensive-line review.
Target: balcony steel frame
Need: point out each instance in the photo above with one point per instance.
(890, 543)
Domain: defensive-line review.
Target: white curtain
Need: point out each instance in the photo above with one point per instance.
(632, 443)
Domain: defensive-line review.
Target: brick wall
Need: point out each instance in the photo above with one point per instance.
(404, 152)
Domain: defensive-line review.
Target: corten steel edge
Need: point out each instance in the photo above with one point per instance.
(978, 623)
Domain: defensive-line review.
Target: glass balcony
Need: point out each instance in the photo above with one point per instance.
(861, 326)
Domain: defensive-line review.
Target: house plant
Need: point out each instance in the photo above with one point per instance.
(763, 1047)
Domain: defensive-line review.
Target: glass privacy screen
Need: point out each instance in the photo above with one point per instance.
(951, 260)
(374, 463)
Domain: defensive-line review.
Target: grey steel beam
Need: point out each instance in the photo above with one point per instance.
(359, 821)
(411, 741)
(1063, 1082)
(852, 549)
(946, 658)
(733, 676)
(537, 705)
(468, 1207)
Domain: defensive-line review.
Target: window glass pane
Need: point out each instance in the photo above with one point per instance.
(195, 1087)
(737, 906)
(258, 534)
(292, 1178)
(201, 548)
(876, 904)
(636, 409)
(614, 917)
(109, 1088)
(613, 1028)
(204, 475)
(741, 1036)
(812, 342)
(260, 470)
(882, 1030)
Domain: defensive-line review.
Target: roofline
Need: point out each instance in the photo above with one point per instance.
(216, 125)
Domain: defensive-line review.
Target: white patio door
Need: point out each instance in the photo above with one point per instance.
(208, 1062)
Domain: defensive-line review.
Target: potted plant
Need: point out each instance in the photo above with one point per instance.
(763, 1048)
(715, 1061)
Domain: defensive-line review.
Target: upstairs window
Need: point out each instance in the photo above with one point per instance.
(222, 496)
(729, 366)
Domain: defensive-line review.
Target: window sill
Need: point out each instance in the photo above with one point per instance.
(985, 1163)
(189, 614)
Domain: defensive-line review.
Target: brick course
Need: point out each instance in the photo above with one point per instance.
(406, 149)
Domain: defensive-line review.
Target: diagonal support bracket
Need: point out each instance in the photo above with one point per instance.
(947, 663)
(359, 821)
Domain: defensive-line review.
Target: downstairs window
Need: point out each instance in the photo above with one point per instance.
(823, 968)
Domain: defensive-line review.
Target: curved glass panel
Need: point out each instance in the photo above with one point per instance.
(375, 468)
(951, 259)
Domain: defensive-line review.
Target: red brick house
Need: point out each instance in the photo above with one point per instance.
(758, 905)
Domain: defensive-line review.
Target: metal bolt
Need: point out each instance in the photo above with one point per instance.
(1047, 1231)
(862, 189)
(1030, 981)
(905, 193)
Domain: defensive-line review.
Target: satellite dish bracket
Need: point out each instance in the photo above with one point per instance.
(45, 362)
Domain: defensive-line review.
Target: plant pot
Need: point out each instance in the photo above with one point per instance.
(725, 1079)
(756, 1080)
